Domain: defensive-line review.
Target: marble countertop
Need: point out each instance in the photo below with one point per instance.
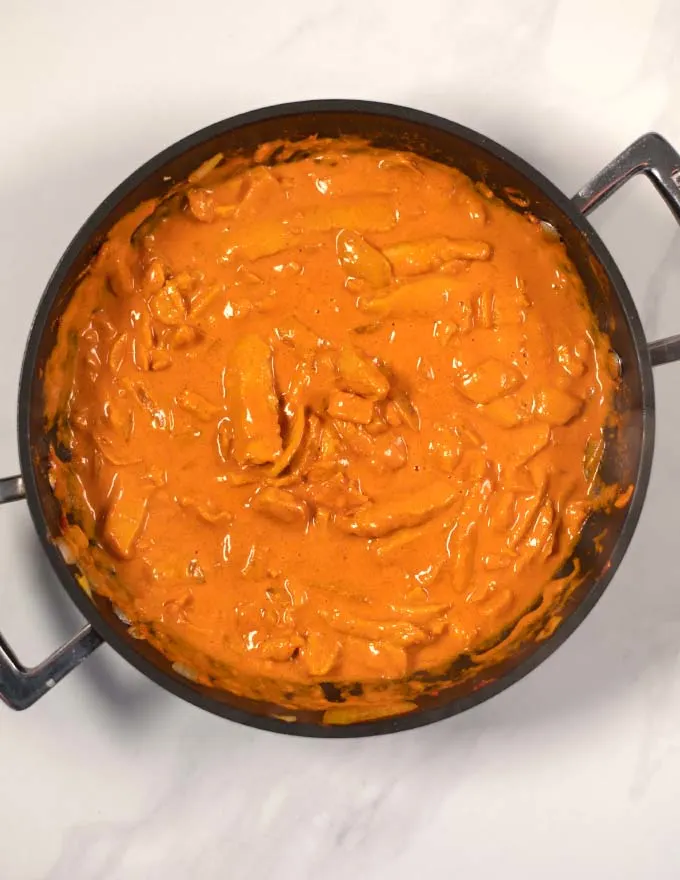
(573, 772)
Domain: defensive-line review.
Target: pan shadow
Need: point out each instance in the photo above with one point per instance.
(634, 630)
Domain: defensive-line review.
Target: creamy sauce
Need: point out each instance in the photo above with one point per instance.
(331, 419)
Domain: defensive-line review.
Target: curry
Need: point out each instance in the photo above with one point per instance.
(329, 414)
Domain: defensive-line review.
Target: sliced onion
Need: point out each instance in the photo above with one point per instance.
(67, 553)
(121, 616)
(185, 671)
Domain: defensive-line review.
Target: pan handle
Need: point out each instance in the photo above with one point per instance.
(652, 155)
(21, 687)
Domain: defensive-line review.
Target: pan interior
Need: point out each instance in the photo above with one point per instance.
(628, 449)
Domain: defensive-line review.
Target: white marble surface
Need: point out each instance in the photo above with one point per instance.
(574, 772)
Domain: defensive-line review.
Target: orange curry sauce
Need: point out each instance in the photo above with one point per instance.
(335, 418)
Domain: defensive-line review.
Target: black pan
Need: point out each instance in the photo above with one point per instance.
(629, 448)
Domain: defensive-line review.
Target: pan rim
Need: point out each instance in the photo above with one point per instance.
(125, 647)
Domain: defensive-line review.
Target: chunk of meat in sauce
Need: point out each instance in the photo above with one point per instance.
(251, 402)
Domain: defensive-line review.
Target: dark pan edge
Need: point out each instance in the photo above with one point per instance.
(404, 722)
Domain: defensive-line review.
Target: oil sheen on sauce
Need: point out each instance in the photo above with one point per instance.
(331, 416)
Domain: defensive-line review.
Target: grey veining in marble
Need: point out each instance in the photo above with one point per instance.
(574, 772)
